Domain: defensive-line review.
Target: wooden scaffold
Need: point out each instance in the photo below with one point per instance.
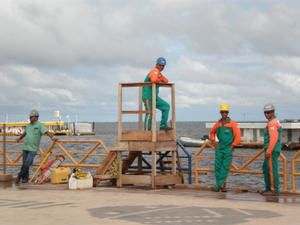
(138, 142)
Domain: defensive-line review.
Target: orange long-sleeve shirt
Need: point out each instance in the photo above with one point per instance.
(156, 76)
(235, 131)
(273, 127)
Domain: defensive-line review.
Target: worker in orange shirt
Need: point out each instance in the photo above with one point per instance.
(272, 147)
(228, 134)
(155, 76)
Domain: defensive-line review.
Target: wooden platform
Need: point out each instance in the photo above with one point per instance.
(147, 136)
(145, 146)
(159, 180)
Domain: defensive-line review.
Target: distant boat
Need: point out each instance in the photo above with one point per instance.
(190, 142)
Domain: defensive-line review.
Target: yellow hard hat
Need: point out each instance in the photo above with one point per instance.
(224, 107)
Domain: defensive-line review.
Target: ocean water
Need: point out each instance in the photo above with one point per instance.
(107, 132)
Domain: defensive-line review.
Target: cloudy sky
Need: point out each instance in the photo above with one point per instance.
(70, 56)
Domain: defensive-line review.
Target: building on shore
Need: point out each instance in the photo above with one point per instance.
(254, 131)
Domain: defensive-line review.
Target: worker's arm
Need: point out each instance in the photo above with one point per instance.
(156, 77)
(163, 79)
(236, 134)
(21, 137)
(212, 134)
(273, 134)
(51, 136)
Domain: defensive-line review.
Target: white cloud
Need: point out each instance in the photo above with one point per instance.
(72, 54)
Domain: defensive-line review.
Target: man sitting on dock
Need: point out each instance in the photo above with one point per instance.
(33, 134)
(228, 134)
(155, 76)
(272, 147)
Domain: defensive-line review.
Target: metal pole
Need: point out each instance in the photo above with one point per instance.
(4, 148)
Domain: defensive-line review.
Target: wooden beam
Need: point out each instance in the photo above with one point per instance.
(150, 146)
(144, 84)
(140, 112)
(147, 136)
(154, 113)
(167, 180)
(174, 165)
(140, 101)
(120, 112)
(136, 179)
(154, 173)
(173, 110)
(120, 175)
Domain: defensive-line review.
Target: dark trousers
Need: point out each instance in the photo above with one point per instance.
(28, 157)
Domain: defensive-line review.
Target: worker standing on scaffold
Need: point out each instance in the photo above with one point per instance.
(228, 134)
(155, 76)
(272, 147)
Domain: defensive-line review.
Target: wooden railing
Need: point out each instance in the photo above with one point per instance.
(294, 172)
(91, 157)
(242, 169)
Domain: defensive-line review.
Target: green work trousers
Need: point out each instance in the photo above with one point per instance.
(270, 169)
(161, 105)
(223, 159)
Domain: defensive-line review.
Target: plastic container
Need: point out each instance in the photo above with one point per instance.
(60, 175)
(82, 183)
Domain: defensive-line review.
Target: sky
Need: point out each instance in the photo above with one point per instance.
(70, 56)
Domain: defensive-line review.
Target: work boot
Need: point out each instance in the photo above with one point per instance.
(223, 187)
(166, 128)
(267, 193)
(18, 179)
(216, 189)
(24, 181)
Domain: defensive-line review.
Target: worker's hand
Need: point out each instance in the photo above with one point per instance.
(214, 143)
(268, 154)
(231, 147)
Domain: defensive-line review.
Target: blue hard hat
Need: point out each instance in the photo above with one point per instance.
(161, 61)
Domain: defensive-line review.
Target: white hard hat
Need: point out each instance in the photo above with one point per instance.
(269, 107)
(34, 113)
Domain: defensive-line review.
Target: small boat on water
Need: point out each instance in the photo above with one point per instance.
(190, 142)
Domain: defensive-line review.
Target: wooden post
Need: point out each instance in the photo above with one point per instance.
(285, 175)
(173, 110)
(154, 173)
(119, 158)
(154, 135)
(294, 186)
(4, 148)
(140, 163)
(174, 165)
(5, 177)
(140, 108)
(120, 112)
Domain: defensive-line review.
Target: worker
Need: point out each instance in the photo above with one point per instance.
(155, 76)
(272, 147)
(33, 134)
(228, 134)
